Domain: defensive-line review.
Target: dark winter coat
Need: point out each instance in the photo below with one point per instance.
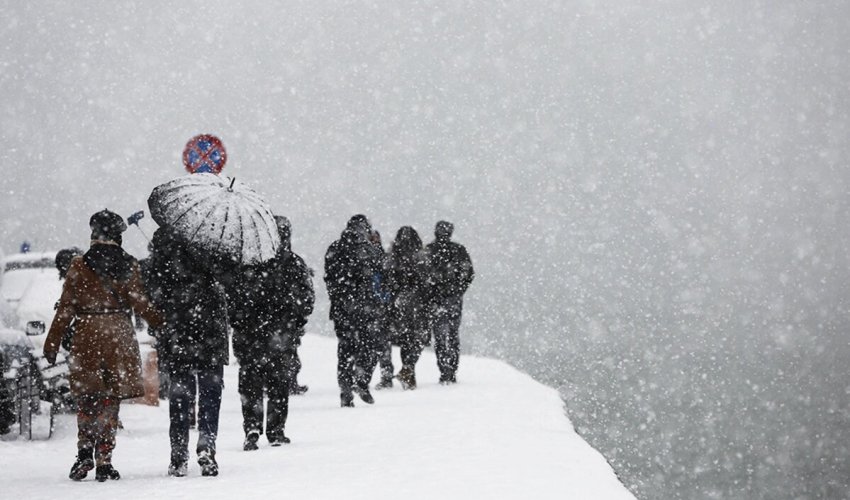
(450, 269)
(104, 356)
(270, 304)
(406, 280)
(194, 305)
(351, 264)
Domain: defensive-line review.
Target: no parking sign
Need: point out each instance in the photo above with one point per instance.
(204, 154)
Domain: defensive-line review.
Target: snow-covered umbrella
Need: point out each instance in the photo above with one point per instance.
(218, 216)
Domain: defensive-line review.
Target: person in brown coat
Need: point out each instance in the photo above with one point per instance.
(100, 290)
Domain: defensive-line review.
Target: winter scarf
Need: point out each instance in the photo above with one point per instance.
(108, 260)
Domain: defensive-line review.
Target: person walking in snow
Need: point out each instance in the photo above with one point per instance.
(383, 325)
(270, 306)
(450, 273)
(195, 337)
(350, 265)
(406, 280)
(101, 289)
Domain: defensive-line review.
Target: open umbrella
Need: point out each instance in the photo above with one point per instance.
(217, 216)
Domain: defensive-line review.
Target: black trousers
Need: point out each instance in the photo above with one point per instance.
(357, 352)
(271, 373)
(445, 321)
(181, 394)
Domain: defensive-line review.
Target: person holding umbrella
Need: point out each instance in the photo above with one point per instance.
(209, 228)
(101, 289)
(185, 289)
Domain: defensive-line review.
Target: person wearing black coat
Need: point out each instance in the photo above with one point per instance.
(406, 280)
(270, 306)
(351, 263)
(450, 273)
(194, 344)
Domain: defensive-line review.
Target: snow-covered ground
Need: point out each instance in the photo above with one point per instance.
(497, 434)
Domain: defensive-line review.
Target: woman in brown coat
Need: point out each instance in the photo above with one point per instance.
(100, 290)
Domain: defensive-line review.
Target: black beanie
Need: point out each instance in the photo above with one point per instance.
(106, 225)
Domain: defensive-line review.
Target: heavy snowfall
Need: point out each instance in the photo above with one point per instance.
(654, 194)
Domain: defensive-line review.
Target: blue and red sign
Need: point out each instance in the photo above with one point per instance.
(204, 153)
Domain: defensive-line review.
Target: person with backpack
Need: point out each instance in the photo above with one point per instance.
(450, 273)
(270, 306)
(101, 289)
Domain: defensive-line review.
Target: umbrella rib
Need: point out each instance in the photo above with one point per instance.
(198, 229)
(220, 241)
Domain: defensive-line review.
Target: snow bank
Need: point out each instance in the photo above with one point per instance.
(496, 434)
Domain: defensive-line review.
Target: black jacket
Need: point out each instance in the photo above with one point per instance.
(270, 304)
(193, 303)
(450, 269)
(351, 265)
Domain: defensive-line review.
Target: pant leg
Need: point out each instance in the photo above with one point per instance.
(179, 400)
(210, 386)
(87, 408)
(294, 366)
(345, 352)
(277, 384)
(455, 308)
(251, 392)
(385, 360)
(366, 358)
(107, 428)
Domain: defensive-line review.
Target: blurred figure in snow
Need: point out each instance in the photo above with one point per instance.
(350, 265)
(406, 279)
(270, 303)
(383, 324)
(450, 273)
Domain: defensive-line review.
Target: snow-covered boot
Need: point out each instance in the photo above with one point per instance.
(251, 439)
(385, 383)
(178, 468)
(407, 377)
(106, 471)
(346, 400)
(206, 459)
(84, 463)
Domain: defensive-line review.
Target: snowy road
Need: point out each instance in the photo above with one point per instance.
(495, 435)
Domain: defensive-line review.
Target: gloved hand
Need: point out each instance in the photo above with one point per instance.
(50, 356)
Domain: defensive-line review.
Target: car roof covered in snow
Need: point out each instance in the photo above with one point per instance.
(14, 337)
(29, 260)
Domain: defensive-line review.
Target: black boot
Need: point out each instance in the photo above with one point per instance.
(346, 400)
(365, 395)
(407, 377)
(279, 439)
(178, 468)
(297, 390)
(206, 459)
(251, 439)
(106, 471)
(385, 383)
(84, 463)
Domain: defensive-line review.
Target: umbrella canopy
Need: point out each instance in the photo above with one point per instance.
(217, 216)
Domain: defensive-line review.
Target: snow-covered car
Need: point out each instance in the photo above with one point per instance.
(30, 287)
